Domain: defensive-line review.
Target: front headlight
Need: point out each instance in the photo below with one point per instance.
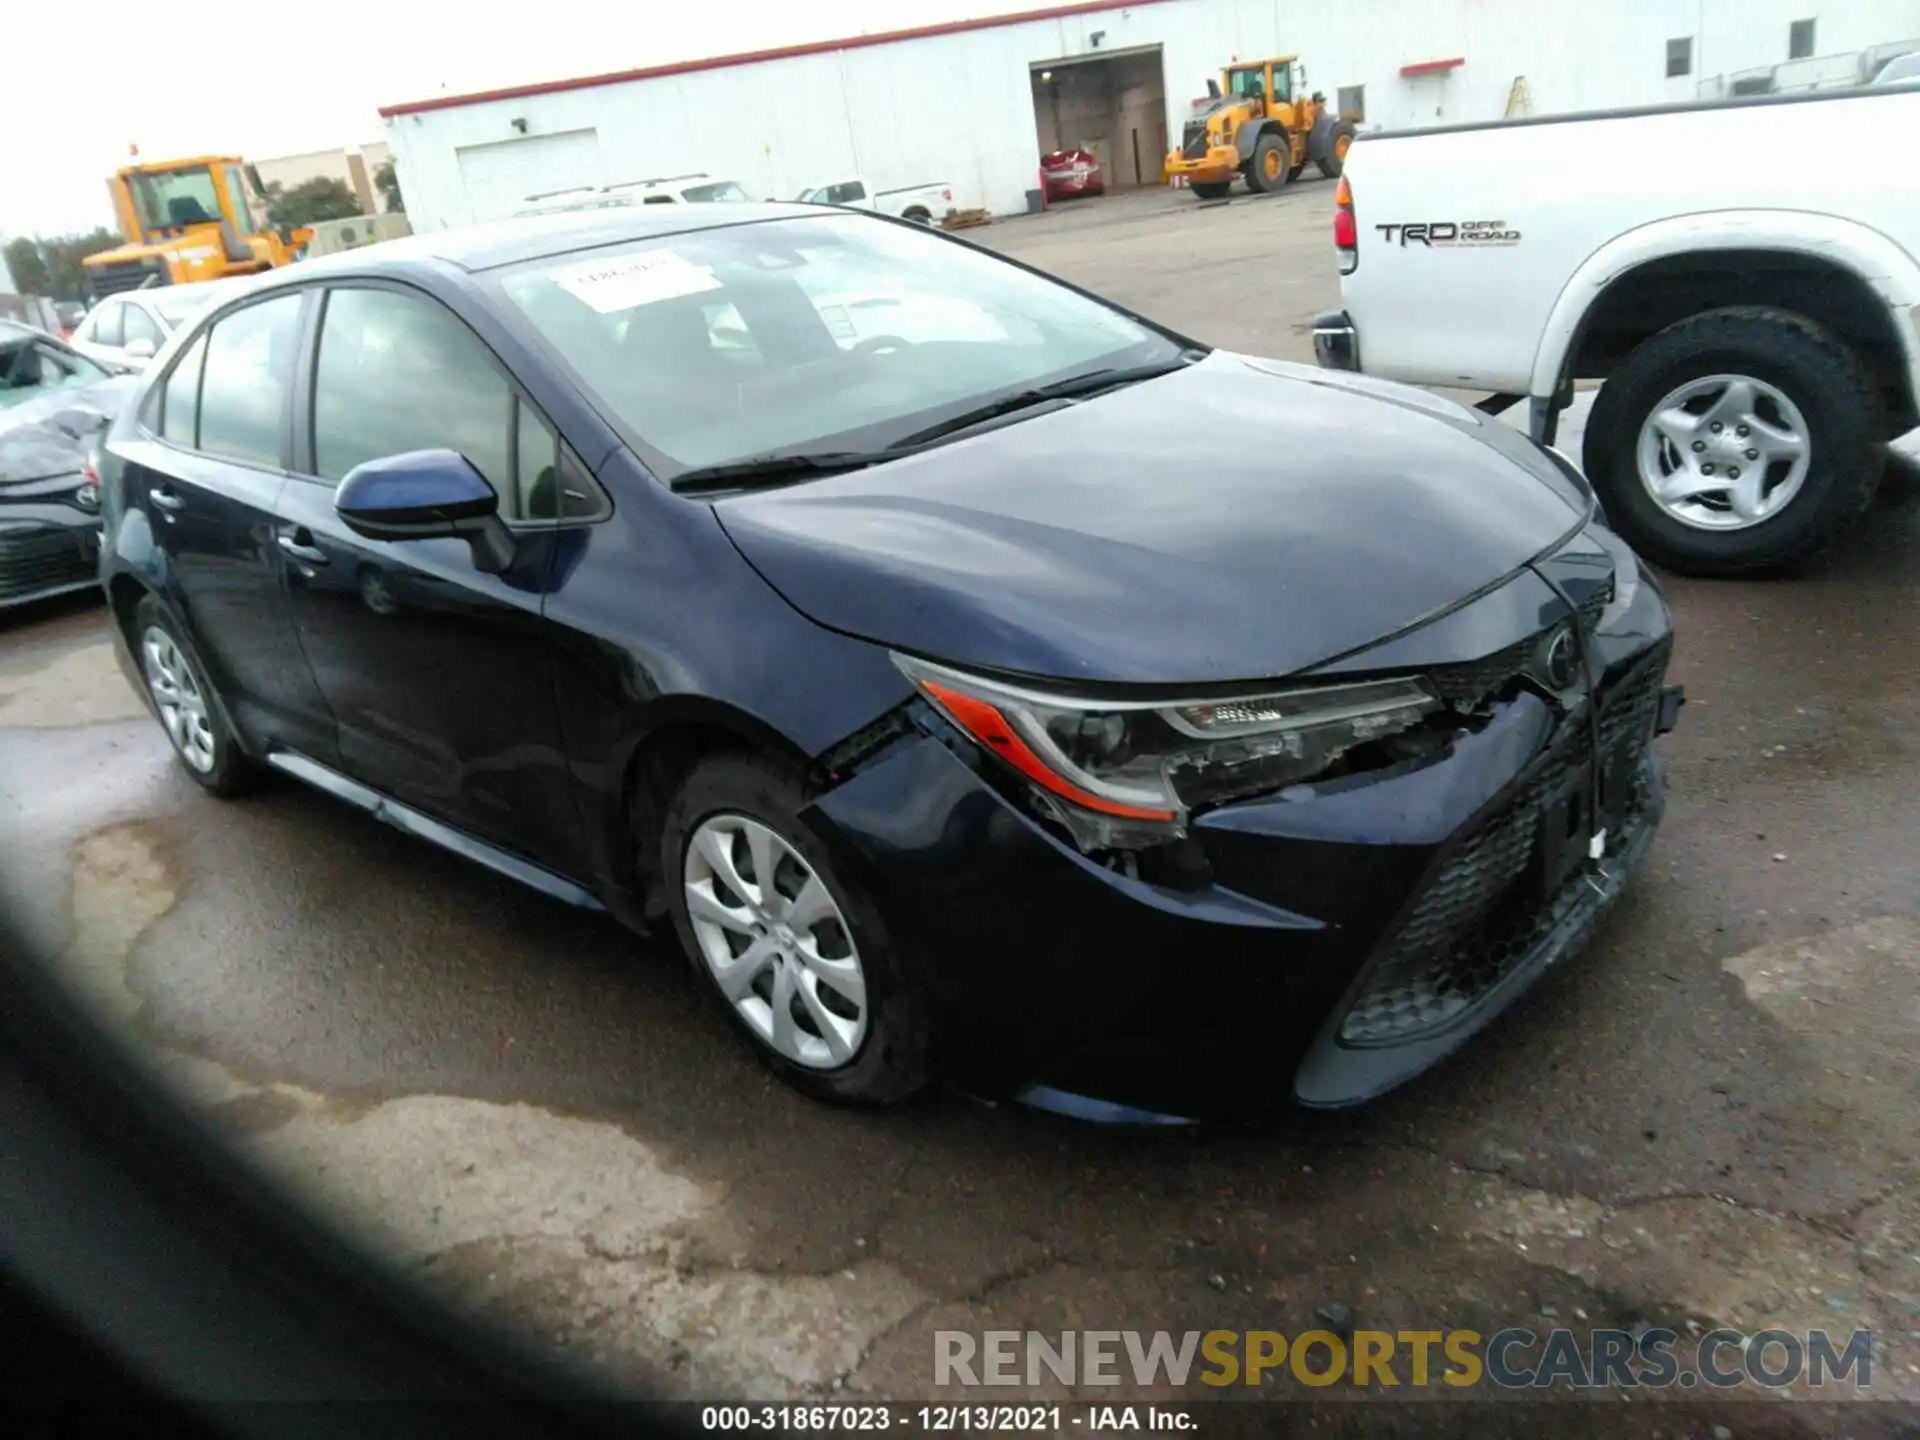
(1128, 772)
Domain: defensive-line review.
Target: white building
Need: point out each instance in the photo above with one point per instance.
(975, 103)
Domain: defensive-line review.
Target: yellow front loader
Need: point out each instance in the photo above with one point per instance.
(190, 220)
(1252, 127)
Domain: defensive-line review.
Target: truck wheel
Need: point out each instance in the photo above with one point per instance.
(1210, 190)
(1339, 140)
(918, 214)
(1736, 442)
(1271, 165)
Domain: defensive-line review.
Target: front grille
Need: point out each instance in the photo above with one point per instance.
(118, 275)
(42, 560)
(1474, 681)
(1475, 923)
(1193, 144)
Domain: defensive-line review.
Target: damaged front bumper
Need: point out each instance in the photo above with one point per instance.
(1326, 945)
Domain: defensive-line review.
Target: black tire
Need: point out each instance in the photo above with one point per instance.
(1808, 363)
(1331, 164)
(893, 1061)
(232, 771)
(918, 215)
(1211, 189)
(1257, 164)
(1294, 173)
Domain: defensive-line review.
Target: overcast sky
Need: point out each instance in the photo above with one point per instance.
(86, 81)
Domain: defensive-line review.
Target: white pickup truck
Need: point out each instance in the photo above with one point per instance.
(924, 203)
(1743, 275)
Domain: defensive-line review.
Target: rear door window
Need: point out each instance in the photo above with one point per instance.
(243, 387)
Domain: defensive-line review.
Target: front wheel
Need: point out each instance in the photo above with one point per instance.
(1210, 189)
(1736, 442)
(792, 951)
(1271, 164)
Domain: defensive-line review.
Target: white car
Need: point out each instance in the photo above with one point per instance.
(679, 190)
(1759, 348)
(128, 329)
(923, 203)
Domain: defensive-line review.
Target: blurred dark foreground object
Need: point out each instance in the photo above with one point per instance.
(152, 1283)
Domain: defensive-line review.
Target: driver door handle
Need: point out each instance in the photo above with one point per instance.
(166, 497)
(299, 544)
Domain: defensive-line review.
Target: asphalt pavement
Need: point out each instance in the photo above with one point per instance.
(1708, 1119)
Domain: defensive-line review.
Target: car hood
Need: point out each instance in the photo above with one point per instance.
(1237, 520)
(52, 433)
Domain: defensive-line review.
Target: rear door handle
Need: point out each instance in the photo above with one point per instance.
(166, 497)
(297, 545)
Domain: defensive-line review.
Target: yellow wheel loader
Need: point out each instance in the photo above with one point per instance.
(1251, 126)
(190, 220)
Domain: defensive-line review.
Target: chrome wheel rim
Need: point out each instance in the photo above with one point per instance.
(775, 941)
(178, 699)
(1724, 452)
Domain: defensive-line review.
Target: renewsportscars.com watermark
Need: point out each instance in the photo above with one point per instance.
(1511, 1359)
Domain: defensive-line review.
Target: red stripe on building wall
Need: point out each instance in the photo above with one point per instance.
(755, 57)
(1425, 67)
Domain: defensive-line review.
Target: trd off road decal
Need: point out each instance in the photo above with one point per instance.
(1450, 232)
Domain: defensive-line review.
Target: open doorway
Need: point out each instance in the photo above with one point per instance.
(1114, 108)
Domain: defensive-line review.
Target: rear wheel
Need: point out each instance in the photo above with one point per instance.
(1339, 142)
(790, 949)
(187, 708)
(1271, 164)
(1736, 442)
(1210, 189)
(918, 214)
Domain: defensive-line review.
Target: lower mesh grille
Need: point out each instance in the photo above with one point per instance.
(1476, 922)
(42, 560)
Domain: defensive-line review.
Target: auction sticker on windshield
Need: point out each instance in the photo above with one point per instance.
(614, 285)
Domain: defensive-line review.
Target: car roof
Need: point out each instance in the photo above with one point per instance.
(530, 237)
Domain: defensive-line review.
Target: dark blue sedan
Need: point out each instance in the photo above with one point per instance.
(981, 680)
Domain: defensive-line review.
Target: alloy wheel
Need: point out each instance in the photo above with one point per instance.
(1724, 452)
(178, 698)
(775, 941)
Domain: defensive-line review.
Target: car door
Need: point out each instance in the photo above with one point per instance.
(205, 466)
(439, 673)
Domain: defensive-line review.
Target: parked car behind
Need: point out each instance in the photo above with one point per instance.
(55, 405)
(1070, 174)
(952, 720)
(128, 329)
(923, 203)
(1757, 357)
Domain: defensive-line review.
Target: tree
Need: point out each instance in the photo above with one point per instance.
(321, 198)
(50, 265)
(388, 184)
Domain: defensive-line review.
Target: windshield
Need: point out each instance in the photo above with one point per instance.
(1247, 82)
(827, 333)
(30, 367)
(724, 190)
(1899, 71)
(169, 198)
(182, 305)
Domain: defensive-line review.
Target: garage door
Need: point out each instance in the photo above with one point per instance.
(499, 177)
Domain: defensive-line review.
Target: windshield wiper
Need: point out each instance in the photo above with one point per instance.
(1074, 387)
(780, 469)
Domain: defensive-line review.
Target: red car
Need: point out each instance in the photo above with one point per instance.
(1068, 174)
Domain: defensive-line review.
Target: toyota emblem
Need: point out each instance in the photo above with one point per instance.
(1559, 659)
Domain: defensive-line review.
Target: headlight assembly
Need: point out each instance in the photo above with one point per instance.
(1120, 773)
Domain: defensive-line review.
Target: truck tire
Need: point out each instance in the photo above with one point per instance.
(1746, 391)
(918, 214)
(1271, 164)
(1339, 138)
(1210, 190)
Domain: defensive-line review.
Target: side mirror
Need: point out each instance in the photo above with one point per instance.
(424, 494)
(140, 349)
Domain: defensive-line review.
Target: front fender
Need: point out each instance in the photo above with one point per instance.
(1888, 269)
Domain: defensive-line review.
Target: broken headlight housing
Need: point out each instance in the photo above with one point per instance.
(1125, 774)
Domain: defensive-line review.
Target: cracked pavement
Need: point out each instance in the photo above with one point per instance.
(1708, 1120)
